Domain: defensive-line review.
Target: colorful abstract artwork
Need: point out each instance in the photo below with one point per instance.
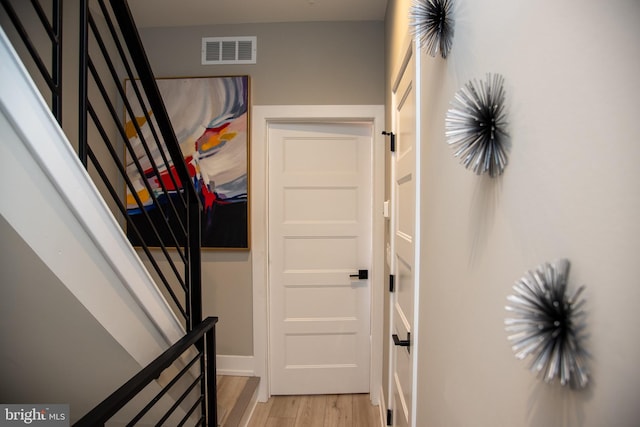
(210, 119)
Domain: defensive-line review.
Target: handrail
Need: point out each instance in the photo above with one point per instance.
(145, 74)
(108, 59)
(114, 403)
(128, 161)
(111, 55)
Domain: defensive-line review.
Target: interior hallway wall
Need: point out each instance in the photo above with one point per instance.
(314, 63)
(570, 190)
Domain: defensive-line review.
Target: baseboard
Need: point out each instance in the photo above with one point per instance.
(241, 366)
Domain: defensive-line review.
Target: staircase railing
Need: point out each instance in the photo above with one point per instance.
(204, 377)
(160, 194)
(124, 138)
(51, 25)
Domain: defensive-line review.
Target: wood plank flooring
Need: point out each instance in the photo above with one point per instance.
(342, 410)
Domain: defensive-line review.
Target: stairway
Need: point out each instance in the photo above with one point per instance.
(237, 397)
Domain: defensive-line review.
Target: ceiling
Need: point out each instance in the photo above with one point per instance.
(163, 13)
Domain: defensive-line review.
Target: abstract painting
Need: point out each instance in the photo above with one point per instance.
(210, 119)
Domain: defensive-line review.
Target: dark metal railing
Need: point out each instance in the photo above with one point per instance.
(125, 140)
(161, 209)
(51, 24)
(124, 135)
(203, 376)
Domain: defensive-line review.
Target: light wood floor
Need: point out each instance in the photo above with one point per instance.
(234, 396)
(343, 410)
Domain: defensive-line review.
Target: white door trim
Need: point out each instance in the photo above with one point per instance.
(412, 50)
(261, 117)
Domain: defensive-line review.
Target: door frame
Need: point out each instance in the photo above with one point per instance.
(262, 116)
(411, 51)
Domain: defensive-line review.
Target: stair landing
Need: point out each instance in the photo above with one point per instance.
(236, 396)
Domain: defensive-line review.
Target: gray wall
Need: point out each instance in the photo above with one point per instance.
(51, 348)
(298, 63)
(335, 63)
(570, 190)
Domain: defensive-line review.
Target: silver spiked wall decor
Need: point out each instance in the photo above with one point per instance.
(476, 124)
(432, 22)
(547, 324)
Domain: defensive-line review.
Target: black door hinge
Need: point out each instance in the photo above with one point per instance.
(392, 142)
(392, 283)
(389, 417)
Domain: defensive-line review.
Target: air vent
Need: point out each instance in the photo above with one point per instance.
(228, 50)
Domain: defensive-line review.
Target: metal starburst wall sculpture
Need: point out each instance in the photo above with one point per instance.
(476, 125)
(547, 324)
(432, 22)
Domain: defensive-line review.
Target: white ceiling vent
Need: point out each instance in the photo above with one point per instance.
(228, 50)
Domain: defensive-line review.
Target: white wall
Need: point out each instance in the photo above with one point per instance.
(570, 190)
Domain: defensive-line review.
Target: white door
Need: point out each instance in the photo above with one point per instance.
(320, 208)
(403, 260)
